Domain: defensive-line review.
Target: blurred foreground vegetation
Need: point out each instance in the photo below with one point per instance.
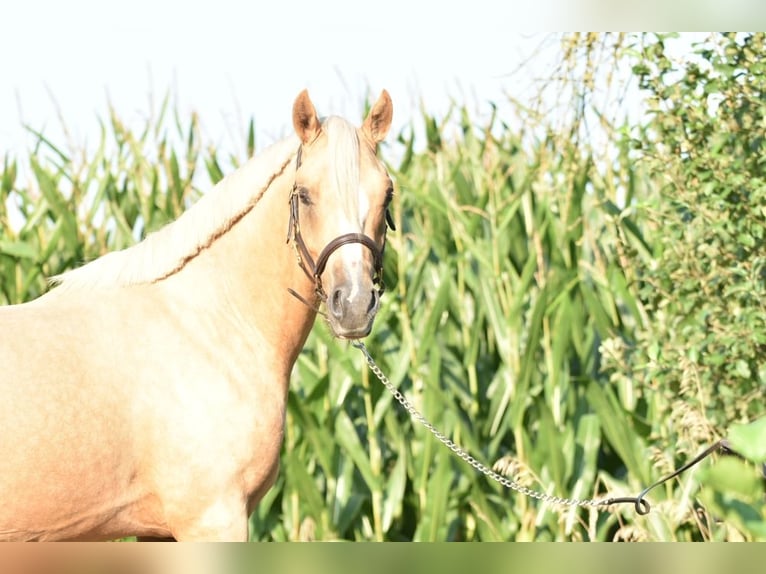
(586, 312)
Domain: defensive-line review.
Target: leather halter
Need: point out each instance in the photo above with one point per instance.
(314, 269)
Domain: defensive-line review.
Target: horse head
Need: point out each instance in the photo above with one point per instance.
(339, 212)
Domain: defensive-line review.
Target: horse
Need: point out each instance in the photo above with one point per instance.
(144, 394)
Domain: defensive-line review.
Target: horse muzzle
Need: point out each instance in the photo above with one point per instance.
(351, 309)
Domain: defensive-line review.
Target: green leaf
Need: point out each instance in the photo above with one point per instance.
(434, 314)
(733, 477)
(251, 138)
(550, 441)
(395, 487)
(346, 435)
(618, 430)
(749, 440)
(20, 249)
(303, 483)
(529, 364)
(733, 493)
(433, 524)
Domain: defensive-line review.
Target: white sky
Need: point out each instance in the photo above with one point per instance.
(233, 59)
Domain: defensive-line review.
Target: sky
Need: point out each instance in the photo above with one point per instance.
(230, 60)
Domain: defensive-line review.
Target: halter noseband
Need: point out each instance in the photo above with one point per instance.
(314, 270)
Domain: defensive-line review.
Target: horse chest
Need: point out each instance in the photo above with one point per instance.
(221, 426)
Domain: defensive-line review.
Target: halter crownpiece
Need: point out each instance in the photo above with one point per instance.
(314, 270)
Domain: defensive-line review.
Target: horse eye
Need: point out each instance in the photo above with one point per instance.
(304, 196)
(389, 196)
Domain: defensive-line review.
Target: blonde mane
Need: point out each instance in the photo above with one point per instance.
(343, 155)
(167, 250)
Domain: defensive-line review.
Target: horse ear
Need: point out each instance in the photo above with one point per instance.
(305, 118)
(378, 122)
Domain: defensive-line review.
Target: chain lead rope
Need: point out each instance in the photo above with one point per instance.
(640, 503)
(462, 454)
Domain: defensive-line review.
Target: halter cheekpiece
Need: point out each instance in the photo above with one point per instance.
(314, 269)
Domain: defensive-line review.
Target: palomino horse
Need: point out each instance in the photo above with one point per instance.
(145, 394)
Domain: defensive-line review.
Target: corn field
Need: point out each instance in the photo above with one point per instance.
(540, 306)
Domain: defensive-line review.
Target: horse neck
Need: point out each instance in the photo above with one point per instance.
(248, 270)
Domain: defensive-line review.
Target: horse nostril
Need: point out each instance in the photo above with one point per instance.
(373, 301)
(336, 303)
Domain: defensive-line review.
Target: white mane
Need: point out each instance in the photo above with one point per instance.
(163, 252)
(343, 155)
